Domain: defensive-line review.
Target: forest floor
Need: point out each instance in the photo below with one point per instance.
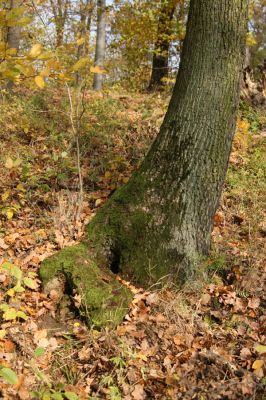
(207, 341)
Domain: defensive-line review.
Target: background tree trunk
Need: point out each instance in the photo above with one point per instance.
(162, 45)
(60, 11)
(100, 43)
(13, 32)
(86, 10)
(13, 38)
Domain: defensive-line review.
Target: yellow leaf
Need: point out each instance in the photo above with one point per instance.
(46, 55)
(64, 78)
(141, 356)
(45, 72)
(39, 81)
(35, 50)
(11, 51)
(257, 364)
(81, 63)
(80, 41)
(5, 196)
(98, 70)
(24, 21)
(108, 175)
(11, 292)
(9, 213)
(9, 163)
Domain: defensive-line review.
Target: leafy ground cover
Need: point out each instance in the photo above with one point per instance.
(206, 341)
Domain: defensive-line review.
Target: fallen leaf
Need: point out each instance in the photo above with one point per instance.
(138, 392)
(257, 364)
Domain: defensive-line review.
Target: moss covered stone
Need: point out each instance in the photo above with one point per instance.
(104, 300)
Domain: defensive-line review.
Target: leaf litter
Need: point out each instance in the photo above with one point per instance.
(206, 341)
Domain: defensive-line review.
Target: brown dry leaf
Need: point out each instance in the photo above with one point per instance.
(24, 394)
(9, 346)
(240, 305)
(84, 354)
(152, 298)
(160, 318)
(245, 353)
(132, 375)
(205, 299)
(43, 343)
(178, 340)
(3, 244)
(247, 385)
(42, 333)
(138, 392)
(254, 303)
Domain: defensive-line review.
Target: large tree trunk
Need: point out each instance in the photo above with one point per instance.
(162, 45)
(159, 224)
(100, 43)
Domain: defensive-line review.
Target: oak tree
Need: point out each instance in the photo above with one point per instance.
(159, 224)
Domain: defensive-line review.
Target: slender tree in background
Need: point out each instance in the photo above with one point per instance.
(100, 43)
(13, 36)
(14, 32)
(85, 12)
(60, 13)
(159, 223)
(162, 45)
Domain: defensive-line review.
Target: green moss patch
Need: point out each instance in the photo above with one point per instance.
(104, 300)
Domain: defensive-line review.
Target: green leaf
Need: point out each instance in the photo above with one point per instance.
(39, 351)
(17, 162)
(260, 349)
(4, 307)
(9, 376)
(46, 396)
(57, 396)
(10, 314)
(12, 269)
(21, 314)
(71, 396)
(18, 288)
(30, 283)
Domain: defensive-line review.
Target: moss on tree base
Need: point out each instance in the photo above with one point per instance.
(104, 301)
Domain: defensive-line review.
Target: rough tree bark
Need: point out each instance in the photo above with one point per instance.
(100, 43)
(13, 32)
(60, 11)
(85, 10)
(162, 45)
(159, 224)
(13, 37)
